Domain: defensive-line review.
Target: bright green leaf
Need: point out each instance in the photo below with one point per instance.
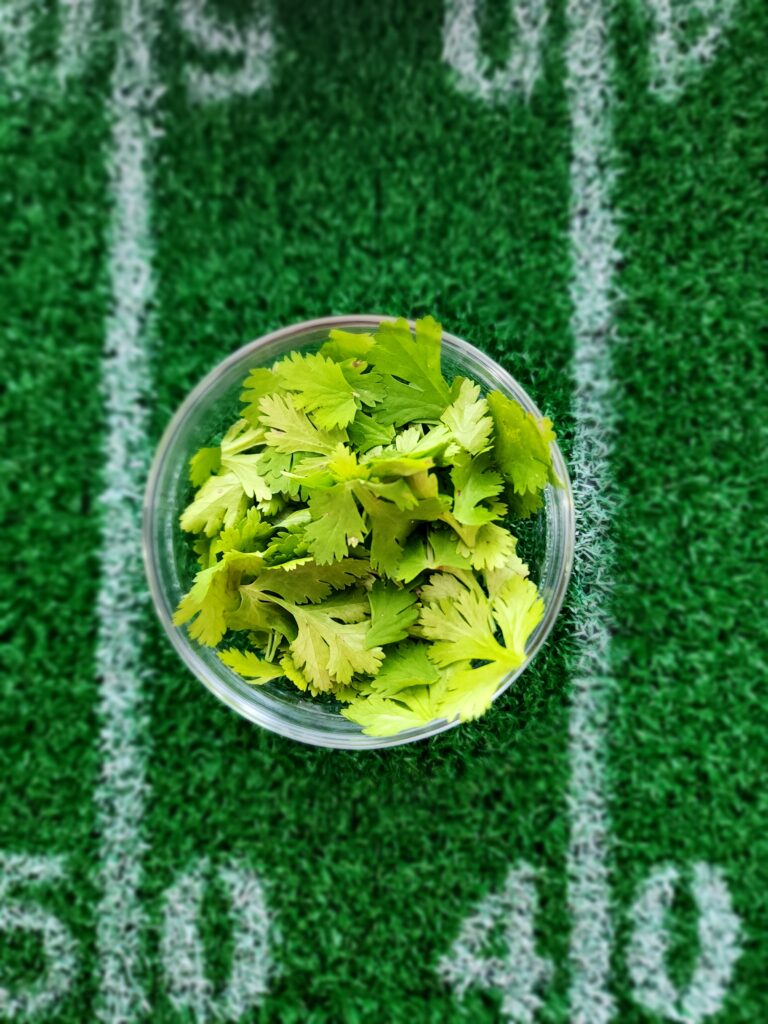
(393, 612)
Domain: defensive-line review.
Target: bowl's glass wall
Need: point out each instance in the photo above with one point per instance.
(208, 410)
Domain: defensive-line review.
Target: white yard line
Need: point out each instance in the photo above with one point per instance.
(594, 257)
(77, 35)
(121, 791)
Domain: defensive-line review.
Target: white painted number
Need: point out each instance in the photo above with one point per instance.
(189, 990)
(462, 51)
(25, 915)
(675, 57)
(77, 33)
(719, 949)
(519, 974)
(254, 46)
(16, 22)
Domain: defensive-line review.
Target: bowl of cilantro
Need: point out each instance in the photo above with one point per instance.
(358, 531)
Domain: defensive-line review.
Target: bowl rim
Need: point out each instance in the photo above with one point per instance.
(184, 646)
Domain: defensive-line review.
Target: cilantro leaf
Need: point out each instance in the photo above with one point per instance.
(329, 651)
(405, 665)
(491, 547)
(336, 523)
(385, 465)
(292, 430)
(468, 418)
(343, 345)
(242, 536)
(390, 526)
(247, 469)
(319, 387)
(253, 669)
(523, 506)
(457, 617)
(367, 385)
(388, 716)
(474, 481)
(305, 580)
(207, 604)
(438, 551)
(419, 443)
(521, 445)
(241, 437)
(416, 389)
(221, 499)
(393, 612)
(294, 673)
(254, 611)
(365, 432)
(495, 579)
(202, 464)
(517, 609)
(469, 692)
(258, 383)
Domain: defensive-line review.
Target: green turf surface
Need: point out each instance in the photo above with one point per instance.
(362, 182)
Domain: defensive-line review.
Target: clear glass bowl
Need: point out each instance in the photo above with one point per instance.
(547, 541)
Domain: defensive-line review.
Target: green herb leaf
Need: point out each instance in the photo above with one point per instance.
(249, 666)
(343, 345)
(292, 430)
(468, 418)
(416, 389)
(336, 523)
(474, 481)
(203, 464)
(393, 612)
(406, 665)
(319, 387)
(521, 445)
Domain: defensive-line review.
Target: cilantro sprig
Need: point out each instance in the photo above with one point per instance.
(352, 530)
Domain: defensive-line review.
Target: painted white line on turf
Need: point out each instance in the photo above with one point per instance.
(77, 33)
(121, 792)
(594, 257)
(182, 953)
(521, 974)
(255, 46)
(463, 53)
(676, 60)
(719, 948)
(16, 22)
(19, 871)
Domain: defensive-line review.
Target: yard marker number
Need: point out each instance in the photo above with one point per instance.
(16, 21)
(719, 949)
(675, 59)
(77, 19)
(254, 46)
(189, 990)
(462, 51)
(520, 973)
(21, 872)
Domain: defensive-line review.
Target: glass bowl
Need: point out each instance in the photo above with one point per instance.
(546, 541)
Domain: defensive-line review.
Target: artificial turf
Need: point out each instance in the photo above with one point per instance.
(362, 182)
